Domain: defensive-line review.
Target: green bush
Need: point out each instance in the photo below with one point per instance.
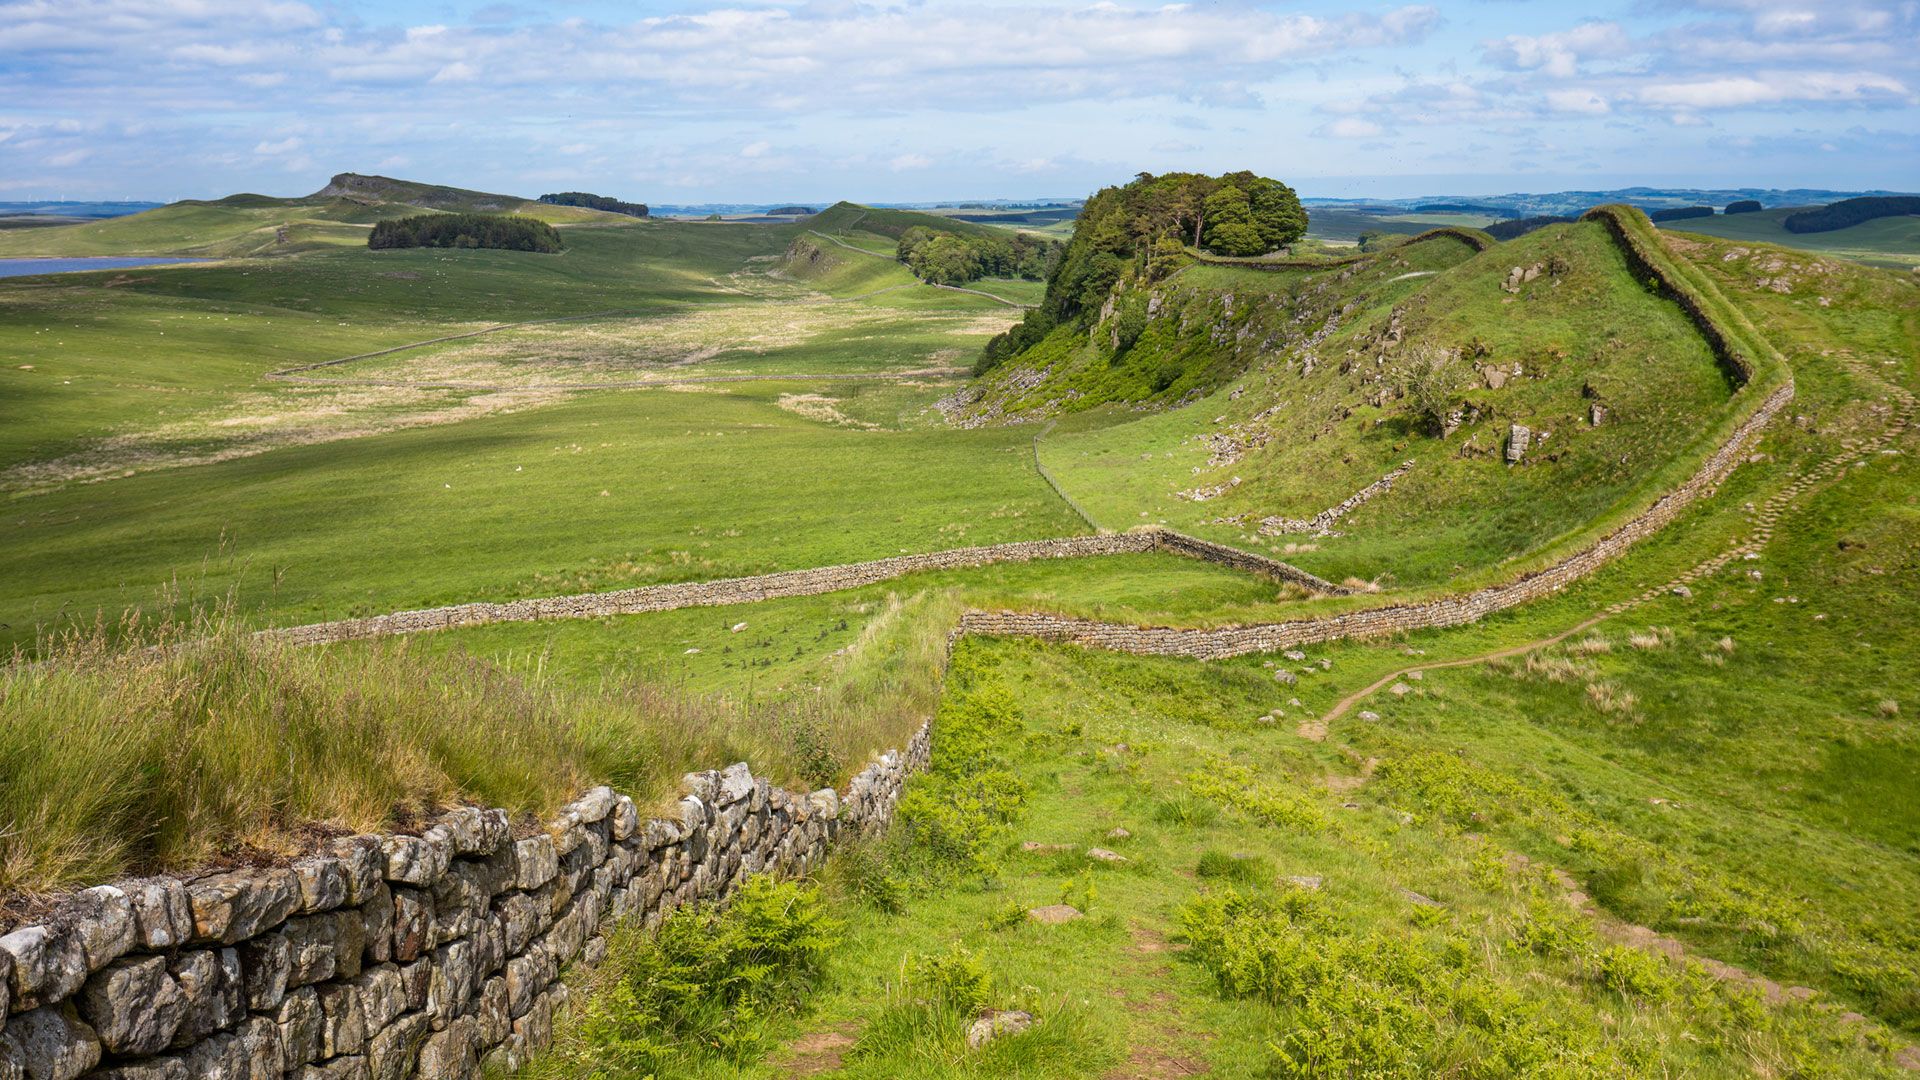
(955, 979)
(956, 815)
(706, 984)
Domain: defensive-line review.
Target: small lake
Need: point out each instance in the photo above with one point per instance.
(24, 267)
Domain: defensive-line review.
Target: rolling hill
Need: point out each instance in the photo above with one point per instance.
(1887, 241)
(338, 215)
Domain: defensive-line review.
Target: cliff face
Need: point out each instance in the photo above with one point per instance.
(432, 196)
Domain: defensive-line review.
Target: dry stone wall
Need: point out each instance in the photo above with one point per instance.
(790, 583)
(386, 957)
(1392, 619)
(1747, 355)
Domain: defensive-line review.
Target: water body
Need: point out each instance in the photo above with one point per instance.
(24, 267)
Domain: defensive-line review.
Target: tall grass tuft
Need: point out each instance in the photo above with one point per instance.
(133, 748)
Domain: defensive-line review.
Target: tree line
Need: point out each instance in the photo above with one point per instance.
(595, 202)
(944, 258)
(1851, 212)
(503, 231)
(1141, 231)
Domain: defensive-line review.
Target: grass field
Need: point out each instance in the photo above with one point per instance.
(1520, 865)
(1889, 241)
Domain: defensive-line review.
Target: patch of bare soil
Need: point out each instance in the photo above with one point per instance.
(820, 1051)
(1151, 1054)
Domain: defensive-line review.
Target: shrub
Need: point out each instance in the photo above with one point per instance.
(955, 979)
(597, 202)
(1744, 206)
(705, 984)
(1634, 973)
(1433, 378)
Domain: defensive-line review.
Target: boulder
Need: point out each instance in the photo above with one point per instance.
(1054, 913)
(998, 1024)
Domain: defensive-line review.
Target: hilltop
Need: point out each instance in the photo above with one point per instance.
(246, 224)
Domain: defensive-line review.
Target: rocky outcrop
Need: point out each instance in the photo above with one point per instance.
(384, 957)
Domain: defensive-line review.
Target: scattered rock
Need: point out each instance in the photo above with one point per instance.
(1119, 834)
(1103, 855)
(1369, 714)
(1304, 881)
(1400, 689)
(739, 626)
(998, 1024)
(1285, 677)
(1036, 847)
(1682, 591)
(1519, 437)
(1418, 900)
(1294, 654)
(1054, 914)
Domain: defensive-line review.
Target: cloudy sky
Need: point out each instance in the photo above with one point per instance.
(724, 100)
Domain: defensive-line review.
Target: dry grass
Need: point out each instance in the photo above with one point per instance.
(1611, 700)
(213, 744)
(1555, 667)
(1653, 637)
(1591, 645)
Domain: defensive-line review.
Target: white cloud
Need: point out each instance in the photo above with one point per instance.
(1354, 127)
(457, 72)
(1560, 54)
(69, 158)
(756, 149)
(906, 162)
(274, 149)
(1735, 91)
(1577, 101)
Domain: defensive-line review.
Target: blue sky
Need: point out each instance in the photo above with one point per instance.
(737, 100)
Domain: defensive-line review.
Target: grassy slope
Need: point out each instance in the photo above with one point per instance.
(108, 358)
(243, 225)
(1888, 241)
(1461, 507)
(1498, 978)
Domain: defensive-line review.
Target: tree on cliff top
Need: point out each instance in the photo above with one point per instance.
(1123, 231)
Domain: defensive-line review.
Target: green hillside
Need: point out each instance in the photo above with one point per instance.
(1888, 241)
(1653, 821)
(338, 215)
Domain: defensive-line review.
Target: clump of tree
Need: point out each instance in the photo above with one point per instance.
(1433, 379)
(944, 258)
(1851, 212)
(1141, 231)
(503, 231)
(1744, 206)
(595, 202)
(792, 211)
(1681, 213)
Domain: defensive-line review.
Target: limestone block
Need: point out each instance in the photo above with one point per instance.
(233, 906)
(49, 1043)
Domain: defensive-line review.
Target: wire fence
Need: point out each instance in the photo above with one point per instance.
(1072, 503)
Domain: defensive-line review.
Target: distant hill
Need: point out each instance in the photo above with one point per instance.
(431, 196)
(245, 224)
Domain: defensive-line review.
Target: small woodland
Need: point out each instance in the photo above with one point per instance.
(505, 232)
